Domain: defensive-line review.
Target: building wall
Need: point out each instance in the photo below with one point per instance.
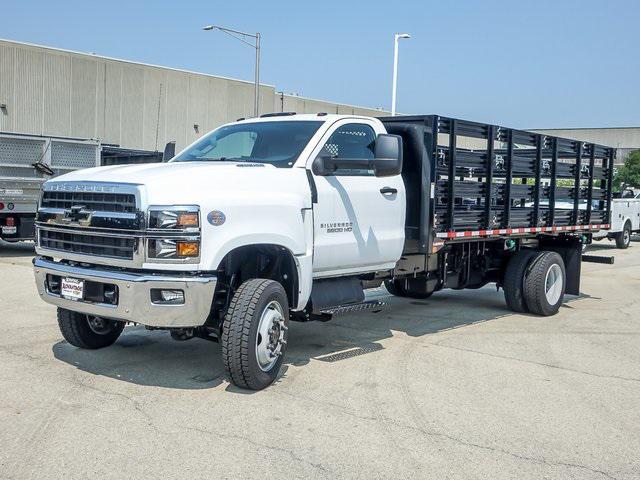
(60, 93)
(625, 140)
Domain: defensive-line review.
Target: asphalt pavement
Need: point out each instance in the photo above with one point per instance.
(452, 387)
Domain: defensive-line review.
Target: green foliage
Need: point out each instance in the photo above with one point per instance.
(629, 174)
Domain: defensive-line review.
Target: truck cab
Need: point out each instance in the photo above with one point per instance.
(169, 245)
(291, 217)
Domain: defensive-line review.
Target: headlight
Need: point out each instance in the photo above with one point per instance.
(167, 248)
(174, 234)
(179, 218)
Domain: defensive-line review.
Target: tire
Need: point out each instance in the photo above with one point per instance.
(245, 355)
(623, 239)
(88, 332)
(513, 283)
(409, 288)
(542, 294)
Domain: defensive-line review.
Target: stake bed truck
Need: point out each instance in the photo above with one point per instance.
(291, 217)
(26, 162)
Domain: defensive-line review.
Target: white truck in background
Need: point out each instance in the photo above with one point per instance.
(625, 219)
(291, 217)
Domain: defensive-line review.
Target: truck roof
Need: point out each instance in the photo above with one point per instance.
(292, 116)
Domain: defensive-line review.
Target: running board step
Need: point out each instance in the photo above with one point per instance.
(357, 307)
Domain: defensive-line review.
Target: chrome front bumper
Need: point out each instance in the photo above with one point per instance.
(134, 295)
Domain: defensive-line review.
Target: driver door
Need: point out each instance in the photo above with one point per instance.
(359, 218)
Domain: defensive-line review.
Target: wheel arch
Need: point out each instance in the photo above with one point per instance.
(264, 260)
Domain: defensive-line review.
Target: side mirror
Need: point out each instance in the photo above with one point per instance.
(388, 155)
(323, 165)
(169, 151)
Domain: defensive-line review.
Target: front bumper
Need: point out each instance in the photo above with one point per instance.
(134, 294)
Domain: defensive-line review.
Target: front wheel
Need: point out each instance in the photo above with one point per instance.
(254, 333)
(88, 331)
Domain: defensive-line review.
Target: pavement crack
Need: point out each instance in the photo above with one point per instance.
(531, 362)
(540, 461)
(136, 405)
(287, 451)
(436, 434)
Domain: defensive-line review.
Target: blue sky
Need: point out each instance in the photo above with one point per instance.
(527, 64)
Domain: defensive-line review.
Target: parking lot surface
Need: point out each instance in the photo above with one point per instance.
(454, 386)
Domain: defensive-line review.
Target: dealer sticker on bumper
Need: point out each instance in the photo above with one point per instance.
(72, 288)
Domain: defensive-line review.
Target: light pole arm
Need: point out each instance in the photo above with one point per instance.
(231, 30)
(238, 35)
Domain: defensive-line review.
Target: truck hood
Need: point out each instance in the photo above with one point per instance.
(192, 182)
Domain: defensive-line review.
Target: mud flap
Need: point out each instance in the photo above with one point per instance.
(570, 249)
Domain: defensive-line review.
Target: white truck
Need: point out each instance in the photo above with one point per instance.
(625, 219)
(291, 217)
(26, 162)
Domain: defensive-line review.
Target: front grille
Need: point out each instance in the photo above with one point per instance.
(106, 202)
(88, 244)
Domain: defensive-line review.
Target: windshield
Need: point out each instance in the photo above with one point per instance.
(277, 143)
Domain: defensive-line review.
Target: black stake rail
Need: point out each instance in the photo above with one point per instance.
(487, 177)
(488, 199)
(537, 168)
(452, 172)
(609, 182)
(506, 219)
(554, 181)
(592, 161)
(576, 185)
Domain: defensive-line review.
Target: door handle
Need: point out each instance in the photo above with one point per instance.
(388, 190)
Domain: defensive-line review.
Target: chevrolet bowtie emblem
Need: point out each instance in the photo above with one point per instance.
(75, 213)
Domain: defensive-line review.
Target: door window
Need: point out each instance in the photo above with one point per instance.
(351, 141)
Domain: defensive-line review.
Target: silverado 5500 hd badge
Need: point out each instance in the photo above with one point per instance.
(337, 227)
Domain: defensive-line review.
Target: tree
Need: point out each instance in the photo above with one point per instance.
(629, 174)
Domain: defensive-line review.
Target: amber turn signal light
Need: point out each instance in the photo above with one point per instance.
(188, 249)
(187, 220)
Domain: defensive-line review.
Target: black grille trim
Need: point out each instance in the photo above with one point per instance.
(106, 202)
(88, 244)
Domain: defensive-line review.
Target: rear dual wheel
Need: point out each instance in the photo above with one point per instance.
(535, 282)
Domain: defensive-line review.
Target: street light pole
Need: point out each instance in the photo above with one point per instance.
(257, 78)
(238, 35)
(396, 37)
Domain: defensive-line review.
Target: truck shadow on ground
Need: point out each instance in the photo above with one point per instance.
(152, 358)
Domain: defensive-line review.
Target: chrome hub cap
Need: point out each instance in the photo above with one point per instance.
(99, 325)
(626, 237)
(553, 284)
(270, 337)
